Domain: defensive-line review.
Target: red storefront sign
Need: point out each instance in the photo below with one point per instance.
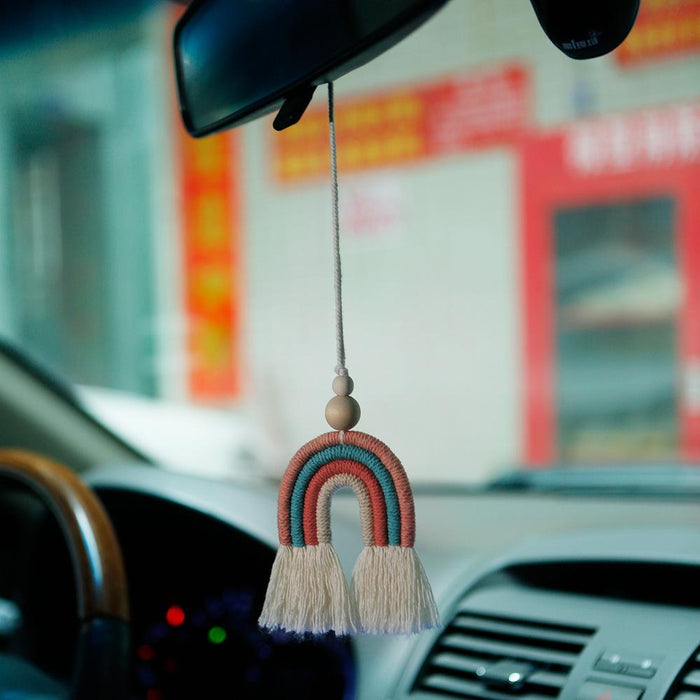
(473, 110)
(648, 154)
(211, 230)
(663, 28)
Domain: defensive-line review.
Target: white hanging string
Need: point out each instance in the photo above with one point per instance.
(340, 368)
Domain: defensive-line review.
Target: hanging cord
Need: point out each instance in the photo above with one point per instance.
(340, 368)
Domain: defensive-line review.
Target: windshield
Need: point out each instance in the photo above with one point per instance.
(520, 232)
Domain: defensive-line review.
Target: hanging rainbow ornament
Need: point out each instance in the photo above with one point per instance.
(308, 592)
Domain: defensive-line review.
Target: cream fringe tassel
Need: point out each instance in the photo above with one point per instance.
(308, 592)
(392, 592)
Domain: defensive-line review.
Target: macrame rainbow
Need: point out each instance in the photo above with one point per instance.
(307, 589)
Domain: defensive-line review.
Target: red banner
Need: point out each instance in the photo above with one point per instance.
(663, 28)
(474, 110)
(210, 226)
(211, 264)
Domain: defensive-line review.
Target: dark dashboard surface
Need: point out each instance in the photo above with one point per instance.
(196, 586)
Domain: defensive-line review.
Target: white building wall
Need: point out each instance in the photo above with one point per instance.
(433, 308)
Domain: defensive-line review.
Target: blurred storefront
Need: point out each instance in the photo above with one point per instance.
(118, 236)
(77, 202)
(611, 259)
(522, 238)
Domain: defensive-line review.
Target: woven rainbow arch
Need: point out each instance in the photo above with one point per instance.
(359, 455)
(307, 590)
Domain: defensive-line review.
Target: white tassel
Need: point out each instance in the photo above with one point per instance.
(391, 592)
(308, 592)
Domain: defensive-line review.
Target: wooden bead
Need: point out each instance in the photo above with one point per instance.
(342, 412)
(343, 385)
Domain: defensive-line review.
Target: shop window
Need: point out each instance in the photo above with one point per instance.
(617, 299)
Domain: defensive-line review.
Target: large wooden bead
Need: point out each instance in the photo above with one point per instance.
(343, 385)
(342, 412)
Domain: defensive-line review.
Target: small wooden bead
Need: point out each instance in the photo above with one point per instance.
(343, 385)
(342, 412)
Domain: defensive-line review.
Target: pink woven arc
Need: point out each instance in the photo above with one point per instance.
(367, 442)
(296, 464)
(345, 466)
(398, 474)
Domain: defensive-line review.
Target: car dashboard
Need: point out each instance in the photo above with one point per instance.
(197, 586)
(575, 617)
(581, 598)
(541, 596)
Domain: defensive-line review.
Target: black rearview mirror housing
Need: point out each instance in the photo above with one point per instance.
(236, 60)
(584, 29)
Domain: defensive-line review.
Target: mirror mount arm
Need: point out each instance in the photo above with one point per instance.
(293, 107)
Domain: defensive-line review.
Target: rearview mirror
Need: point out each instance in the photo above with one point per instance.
(235, 61)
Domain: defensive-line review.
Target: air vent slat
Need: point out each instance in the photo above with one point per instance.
(548, 678)
(472, 644)
(687, 683)
(461, 663)
(530, 624)
(693, 679)
(464, 621)
(471, 689)
(480, 656)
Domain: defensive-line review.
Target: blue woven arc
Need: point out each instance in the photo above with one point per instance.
(358, 454)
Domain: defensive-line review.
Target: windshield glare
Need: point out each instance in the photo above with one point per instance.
(520, 240)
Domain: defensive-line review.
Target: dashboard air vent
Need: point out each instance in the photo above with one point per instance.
(687, 685)
(482, 656)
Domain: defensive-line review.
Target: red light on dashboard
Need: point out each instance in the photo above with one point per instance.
(154, 694)
(175, 616)
(145, 652)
